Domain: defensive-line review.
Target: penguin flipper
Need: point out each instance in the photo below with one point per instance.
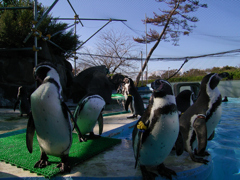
(79, 108)
(212, 136)
(30, 133)
(80, 136)
(179, 144)
(200, 128)
(100, 123)
(142, 130)
(139, 144)
(128, 101)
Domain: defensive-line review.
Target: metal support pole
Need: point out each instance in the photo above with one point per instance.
(35, 38)
(62, 30)
(56, 45)
(168, 72)
(146, 47)
(141, 68)
(89, 19)
(75, 53)
(15, 8)
(20, 49)
(74, 12)
(38, 23)
(94, 34)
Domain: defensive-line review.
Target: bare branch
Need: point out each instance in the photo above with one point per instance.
(114, 43)
(174, 22)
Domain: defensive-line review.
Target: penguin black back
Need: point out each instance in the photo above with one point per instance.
(199, 121)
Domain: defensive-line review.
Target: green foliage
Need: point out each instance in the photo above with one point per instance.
(16, 24)
(194, 75)
(186, 79)
(178, 17)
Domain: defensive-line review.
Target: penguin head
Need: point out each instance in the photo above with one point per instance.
(43, 70)
(128, 81)
(212, 80)
(22, 90)
(161, 88)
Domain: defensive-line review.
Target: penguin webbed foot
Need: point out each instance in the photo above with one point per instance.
(82, 139)
(198, 160)
(131, 117)
(93, 136)
(64, 165)
(166, 172)
(43, 162)
(147, 175)
(202, 154)
(201, 160)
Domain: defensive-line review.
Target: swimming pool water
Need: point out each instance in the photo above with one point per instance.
(225, 147)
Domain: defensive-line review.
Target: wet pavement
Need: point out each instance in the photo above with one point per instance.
(11, 121)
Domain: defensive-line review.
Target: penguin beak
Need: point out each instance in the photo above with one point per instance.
(126, 80)
(157, 85)
(223, 75)
(39, 80)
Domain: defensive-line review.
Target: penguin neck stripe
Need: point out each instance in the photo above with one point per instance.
(167, 109)
(48, 66)
(53, 81)
(85, 100)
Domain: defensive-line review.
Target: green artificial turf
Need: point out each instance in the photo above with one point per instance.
(13, 150)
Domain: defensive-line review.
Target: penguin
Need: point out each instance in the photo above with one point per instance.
(50, 118)
(198, 122)
(88, 112)
(225, 99)
(156, 132)
(184, 100)
(23, 101)
(133, 99)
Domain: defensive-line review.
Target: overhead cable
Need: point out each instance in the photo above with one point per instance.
(219, 54)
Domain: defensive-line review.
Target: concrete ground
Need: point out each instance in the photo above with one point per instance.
(117, 162)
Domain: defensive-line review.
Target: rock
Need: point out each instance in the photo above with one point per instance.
(93, 80)
(16, 69)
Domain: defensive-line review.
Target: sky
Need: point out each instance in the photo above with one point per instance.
(218, 29)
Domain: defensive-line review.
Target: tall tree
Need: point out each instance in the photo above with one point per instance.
(112, 49)
(173, 21)
(16, 24)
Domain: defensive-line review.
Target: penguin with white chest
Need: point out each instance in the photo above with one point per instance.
(50, 118)
(133, 98)
(88, 112)
(199, 121)
(156, 131)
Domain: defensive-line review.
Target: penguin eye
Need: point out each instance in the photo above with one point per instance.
(158, 82)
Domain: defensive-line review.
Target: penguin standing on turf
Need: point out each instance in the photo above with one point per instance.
(50, 117)
(23, 101)
(133, 99)
(156, 131)
(88, 112)
(199, 121)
